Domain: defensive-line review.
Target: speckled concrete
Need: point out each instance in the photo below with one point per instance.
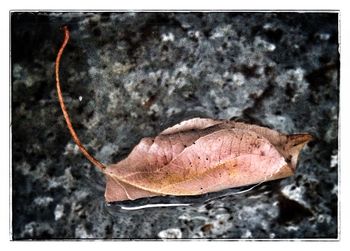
(129, 75)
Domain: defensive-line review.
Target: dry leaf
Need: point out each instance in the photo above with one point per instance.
(195, 157)
(200, 156)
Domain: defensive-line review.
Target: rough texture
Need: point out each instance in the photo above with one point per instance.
(130, 75)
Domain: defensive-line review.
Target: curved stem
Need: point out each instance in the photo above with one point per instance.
(64, 109)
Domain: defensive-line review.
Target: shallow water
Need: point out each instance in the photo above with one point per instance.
(176, 201)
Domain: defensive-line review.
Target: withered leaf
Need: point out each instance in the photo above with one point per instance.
(200, 156)
(195, 157)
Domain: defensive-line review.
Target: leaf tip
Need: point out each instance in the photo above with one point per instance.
(299, 140)
(295, 144)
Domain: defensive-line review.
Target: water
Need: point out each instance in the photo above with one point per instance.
(176, 201)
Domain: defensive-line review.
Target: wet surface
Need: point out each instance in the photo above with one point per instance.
(130, 75)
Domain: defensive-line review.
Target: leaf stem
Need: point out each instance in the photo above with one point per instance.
(75, 137)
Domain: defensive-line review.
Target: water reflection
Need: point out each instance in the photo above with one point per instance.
(175, 201)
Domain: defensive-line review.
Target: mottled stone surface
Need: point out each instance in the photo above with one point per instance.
(129, 75)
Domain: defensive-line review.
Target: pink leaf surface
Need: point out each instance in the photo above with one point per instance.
(199, 156)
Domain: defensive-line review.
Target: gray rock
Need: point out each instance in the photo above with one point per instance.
(129, 75)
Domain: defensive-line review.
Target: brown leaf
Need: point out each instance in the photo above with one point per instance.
(200, 156)
(195, 157)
